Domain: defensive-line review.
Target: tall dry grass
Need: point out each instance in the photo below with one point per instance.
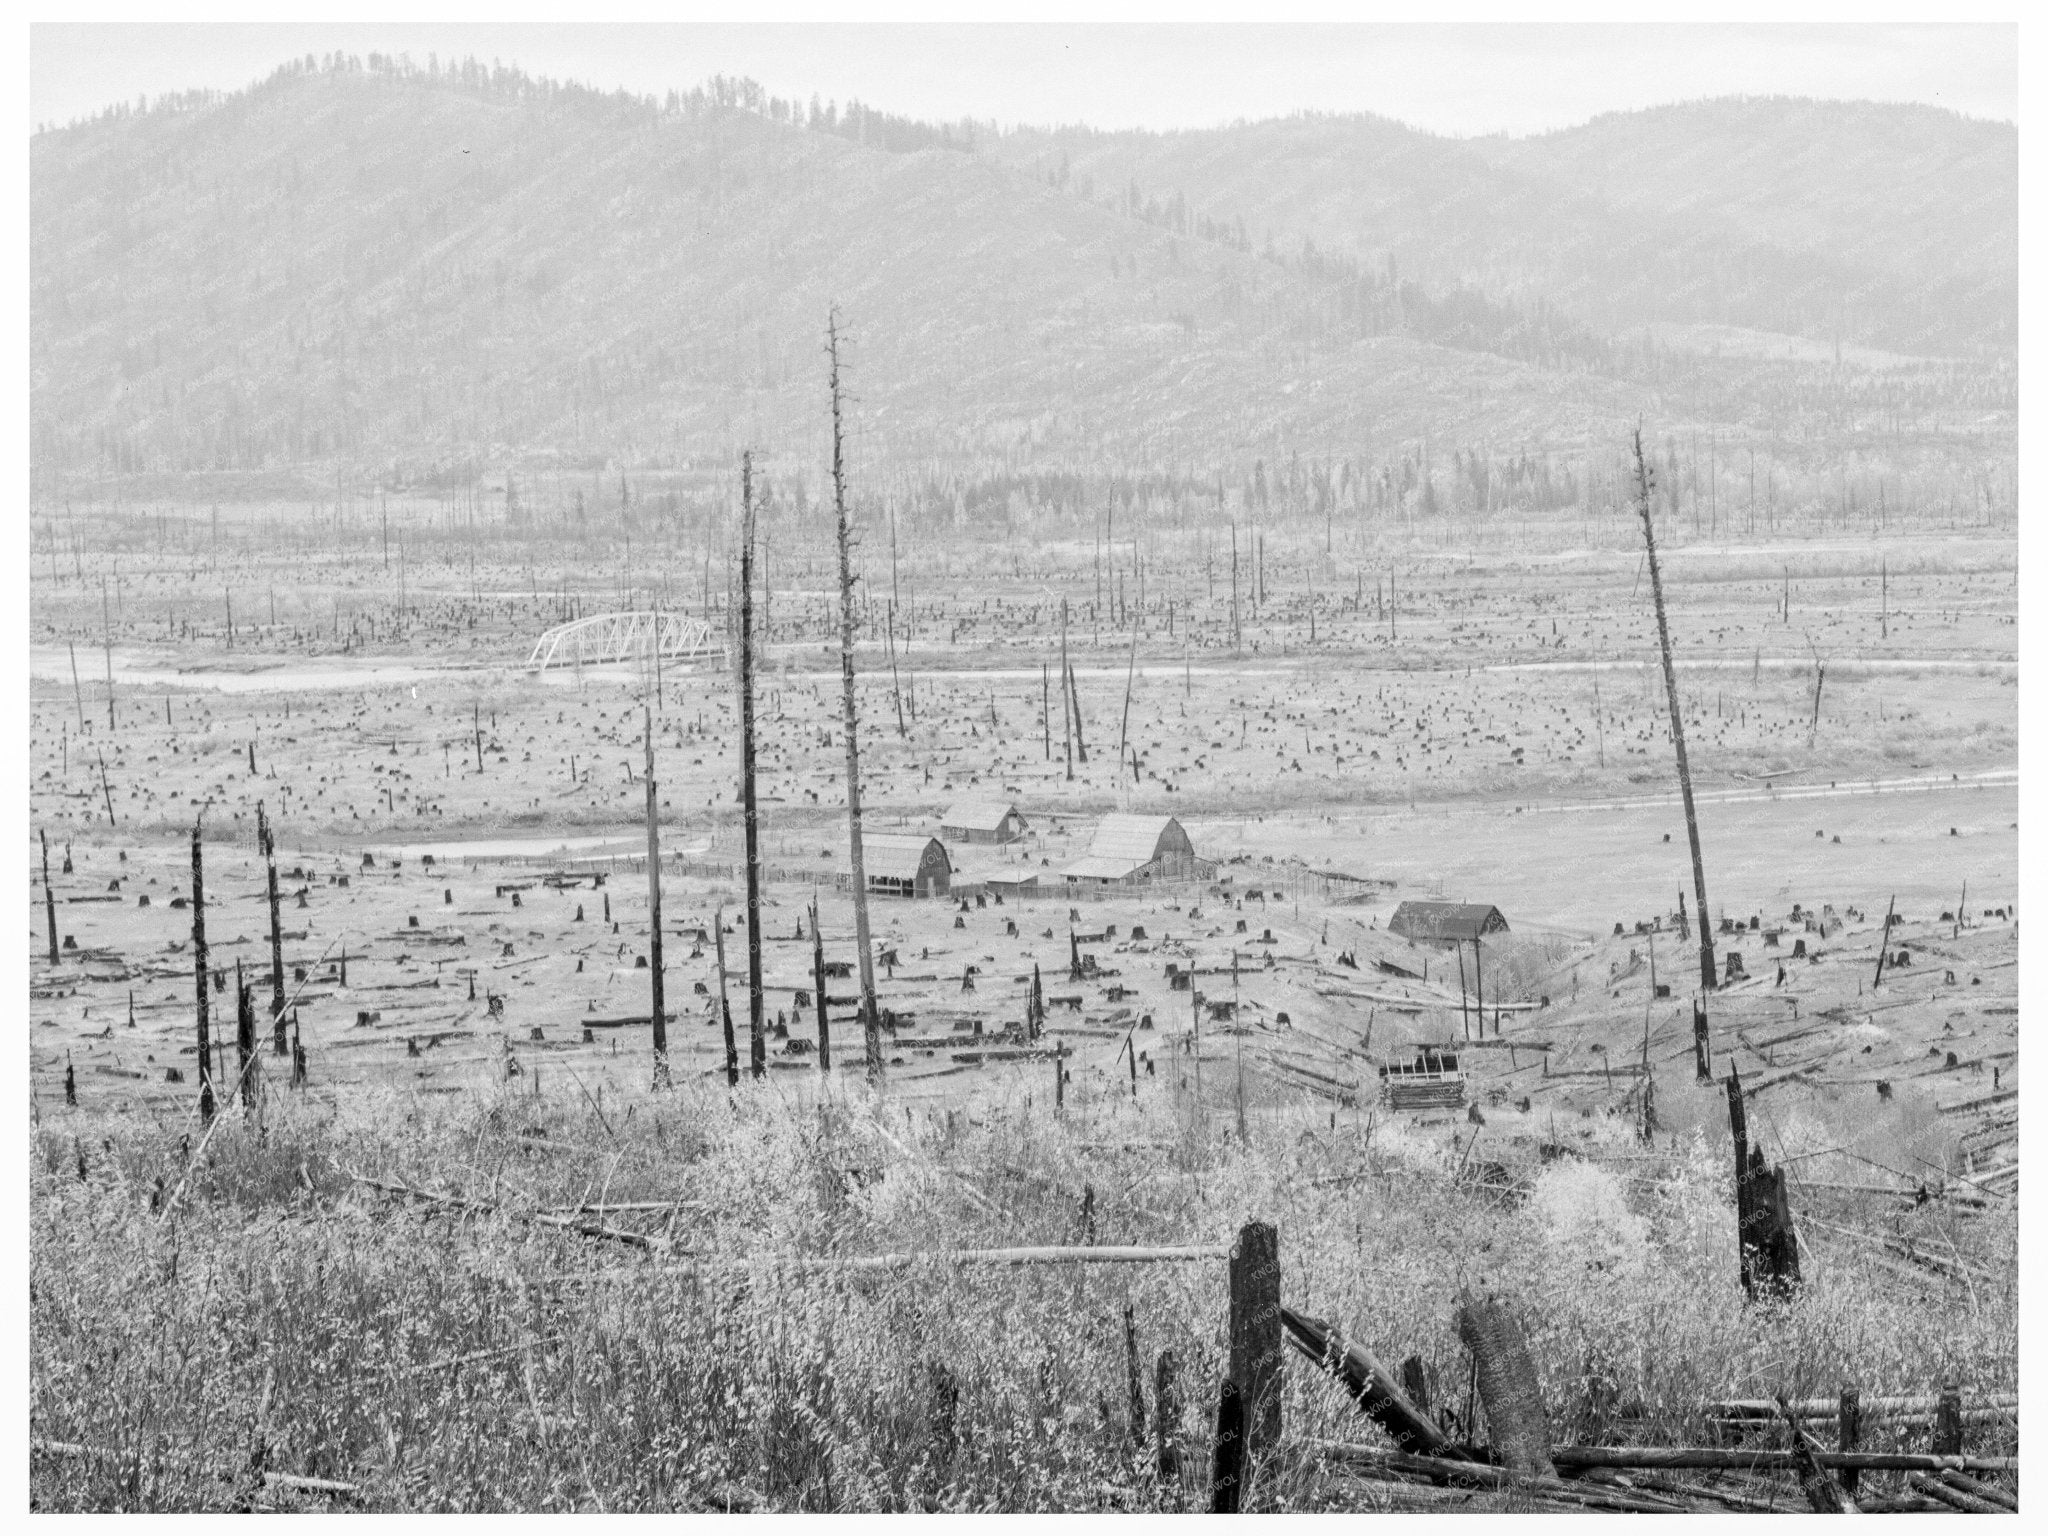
(601, 1382)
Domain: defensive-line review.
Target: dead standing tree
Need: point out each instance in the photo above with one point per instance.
(49, 899)
(654, 958)
(870, 1015)
(200, 972)
(1692, 821)
(268, 845)
(757, 1032)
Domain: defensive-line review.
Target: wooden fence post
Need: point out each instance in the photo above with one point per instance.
(942, 1410)
(1850, 1426)
(245, 1042)
(1166, 1415)
(1226, 1476)
(1948, 1423)
(1255, 1333)
(1134, 1378)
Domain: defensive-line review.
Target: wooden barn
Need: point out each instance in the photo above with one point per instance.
(905, 866)
(982, 821)
(1446, 922)
(1130, 850)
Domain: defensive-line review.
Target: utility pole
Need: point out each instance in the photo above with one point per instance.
(1692, 824)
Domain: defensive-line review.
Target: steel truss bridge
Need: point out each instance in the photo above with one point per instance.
(615, 637)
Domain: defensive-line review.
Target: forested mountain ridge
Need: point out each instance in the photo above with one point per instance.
(1888, 226)
(387, 266)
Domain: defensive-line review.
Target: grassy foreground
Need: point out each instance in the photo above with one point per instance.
(281, 1304)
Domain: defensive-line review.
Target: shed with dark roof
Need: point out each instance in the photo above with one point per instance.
(1446, 922)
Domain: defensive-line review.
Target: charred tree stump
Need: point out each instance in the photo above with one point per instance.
(1507, 1386)
(1768, 1246)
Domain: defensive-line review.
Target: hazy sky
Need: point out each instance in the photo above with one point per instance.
(1454, 79)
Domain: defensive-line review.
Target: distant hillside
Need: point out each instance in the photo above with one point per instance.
(1913, 191)
(385, 268)
(1887, 226)
(363, 264)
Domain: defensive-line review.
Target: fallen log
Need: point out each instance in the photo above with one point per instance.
(1481, 1474)
(999, 1258)
(128, 1458)
(541, 1218)
(1378, 1396)
(1940, 1491)
(1649, 1457)
(1985, 1491)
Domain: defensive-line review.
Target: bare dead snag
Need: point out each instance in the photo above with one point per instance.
(268, 844)
(1692, 822)
(732, 1050)
(1507, 1386)
(199, 972)
(49, 899)
(757, 1033)
(655, 977)
(870, 1014)
(818, 985)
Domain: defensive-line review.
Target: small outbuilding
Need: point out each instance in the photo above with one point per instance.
(1446, 922)
(905, 866)
(982, 821)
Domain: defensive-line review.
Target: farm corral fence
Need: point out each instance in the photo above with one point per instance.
(1294, 886)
